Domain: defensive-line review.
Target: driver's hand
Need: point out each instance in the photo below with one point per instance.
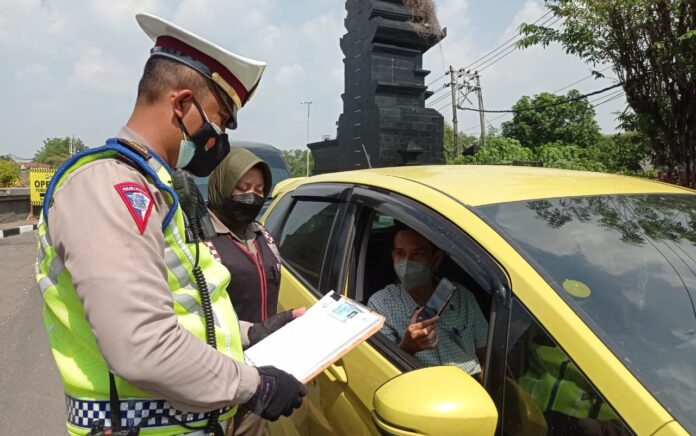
(419, 336)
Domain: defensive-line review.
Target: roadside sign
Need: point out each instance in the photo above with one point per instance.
(39, 178)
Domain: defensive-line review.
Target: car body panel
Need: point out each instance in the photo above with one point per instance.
(464, 182)
(488, 185)
(338, 413)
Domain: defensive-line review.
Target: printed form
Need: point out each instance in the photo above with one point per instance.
(309, 344)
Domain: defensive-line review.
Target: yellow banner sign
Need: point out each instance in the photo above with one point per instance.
(39, 178)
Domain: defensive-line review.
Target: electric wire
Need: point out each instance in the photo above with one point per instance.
(557, 103)
(438, 100)
(517, 35)
(435, 80)
(581, 80)
(508, 51)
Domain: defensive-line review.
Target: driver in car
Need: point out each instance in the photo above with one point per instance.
(457, 336)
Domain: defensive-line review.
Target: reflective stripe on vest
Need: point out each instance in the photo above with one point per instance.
(556, 384)
(82, 368)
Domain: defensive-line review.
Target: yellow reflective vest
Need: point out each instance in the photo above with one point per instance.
(82, 368)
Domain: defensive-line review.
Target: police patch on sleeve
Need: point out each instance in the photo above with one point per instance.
(138, 201)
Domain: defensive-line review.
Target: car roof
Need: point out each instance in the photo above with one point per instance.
(250, 145)
(477, 185)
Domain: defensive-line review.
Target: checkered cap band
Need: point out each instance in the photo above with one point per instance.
(81, 413)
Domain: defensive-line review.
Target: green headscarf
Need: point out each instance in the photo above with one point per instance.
(225, 177)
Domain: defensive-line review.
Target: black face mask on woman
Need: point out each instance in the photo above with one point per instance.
(242, 208)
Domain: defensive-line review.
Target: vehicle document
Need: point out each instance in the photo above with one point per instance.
(307, 345)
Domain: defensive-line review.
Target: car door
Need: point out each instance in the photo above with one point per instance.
(309, 226)
(354, 380)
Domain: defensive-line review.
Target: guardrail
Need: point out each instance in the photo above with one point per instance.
(14, 204)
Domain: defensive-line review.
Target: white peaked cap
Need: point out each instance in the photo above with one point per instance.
(236, 75)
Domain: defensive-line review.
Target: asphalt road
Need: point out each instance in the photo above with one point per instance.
(31, 395)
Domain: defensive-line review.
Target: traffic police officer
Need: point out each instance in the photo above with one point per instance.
(126, 308)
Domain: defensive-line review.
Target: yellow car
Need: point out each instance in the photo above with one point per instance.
(587, 282)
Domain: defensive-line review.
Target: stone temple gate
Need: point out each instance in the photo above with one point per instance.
(384, 120)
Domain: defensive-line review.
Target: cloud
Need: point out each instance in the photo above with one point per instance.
(87, 56)
(289, 73)
(95, 70)
(506, 78)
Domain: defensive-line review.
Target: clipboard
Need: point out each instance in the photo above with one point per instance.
(307, 345)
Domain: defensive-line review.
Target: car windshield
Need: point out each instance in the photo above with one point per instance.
(627, 265)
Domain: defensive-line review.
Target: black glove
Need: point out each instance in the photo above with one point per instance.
(260, 330)
(279, 393)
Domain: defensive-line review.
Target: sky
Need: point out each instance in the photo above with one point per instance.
(71, 67)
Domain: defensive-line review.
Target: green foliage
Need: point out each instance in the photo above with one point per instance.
(650, 45)
(497, 151)
(450, 150)
(297, 161)
(55, 151)
(622, 152)
(567, 156)
(570, 122)
(9, 173)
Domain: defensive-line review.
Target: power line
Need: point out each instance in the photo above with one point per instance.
(558, 103)
(581, 80)
(439, 90)
(475, 126)
(610, 98)
(437, 100)
(435, 80)
(468, 67)
(511, 49)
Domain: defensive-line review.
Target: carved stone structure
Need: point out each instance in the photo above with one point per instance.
(384, 100)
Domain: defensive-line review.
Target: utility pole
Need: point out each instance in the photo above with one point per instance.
(308, 103)
(70, 150)
(482, 115)
(454, 87)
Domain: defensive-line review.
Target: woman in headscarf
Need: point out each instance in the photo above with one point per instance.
(236, 193)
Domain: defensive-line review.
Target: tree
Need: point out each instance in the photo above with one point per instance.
(567, 156)
(497, 151)
(55, 151)
(449, 149)
(651, 46)
(9, 172)
(572, 122)
(621, 152)
(297, 161)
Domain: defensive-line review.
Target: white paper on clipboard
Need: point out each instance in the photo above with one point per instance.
(307, 345)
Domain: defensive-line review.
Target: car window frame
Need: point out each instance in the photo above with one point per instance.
(324, 193)
(492, 277)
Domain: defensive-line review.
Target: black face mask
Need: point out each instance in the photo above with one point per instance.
(211, 146)
(241, 209)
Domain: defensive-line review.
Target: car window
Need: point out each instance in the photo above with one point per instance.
(462, 330)
(626, 264)
(545, 391)
(304, 238)
(275, 218)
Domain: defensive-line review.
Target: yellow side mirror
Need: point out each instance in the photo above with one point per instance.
(440, 400)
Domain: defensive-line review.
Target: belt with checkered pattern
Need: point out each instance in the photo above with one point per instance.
(82, 413)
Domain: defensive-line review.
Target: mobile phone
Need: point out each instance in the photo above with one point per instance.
(437, 301)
